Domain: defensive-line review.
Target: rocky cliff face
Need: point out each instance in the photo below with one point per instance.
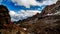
(42, 25)
(52, 8)
(47, 22)
(4, 16)
(6, 26)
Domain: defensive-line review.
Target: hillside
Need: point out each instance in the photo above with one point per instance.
(47, 22)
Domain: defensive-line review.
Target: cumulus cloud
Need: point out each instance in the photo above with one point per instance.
(22, 14)
(28, 3)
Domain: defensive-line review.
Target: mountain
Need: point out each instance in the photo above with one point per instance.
(47, 22)
(6, 26)
(51, 9)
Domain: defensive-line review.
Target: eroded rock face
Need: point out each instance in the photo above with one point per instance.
(4, 16)
(51, 9)
(43, 25)
(6, 26)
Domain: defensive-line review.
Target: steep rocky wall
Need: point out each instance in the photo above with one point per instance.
(6, 26)
(4, 15)
(50, 9)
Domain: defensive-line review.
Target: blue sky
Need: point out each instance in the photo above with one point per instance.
(21, 9)
(11, 6)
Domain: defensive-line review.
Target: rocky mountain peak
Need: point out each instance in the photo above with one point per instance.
(51, 9)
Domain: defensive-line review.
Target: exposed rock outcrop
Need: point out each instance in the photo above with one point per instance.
(51, 9)
(4, 16)
(6, 26)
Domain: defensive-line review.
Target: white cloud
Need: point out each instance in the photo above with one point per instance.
(27, 3)
(22, 14)
(12, 13)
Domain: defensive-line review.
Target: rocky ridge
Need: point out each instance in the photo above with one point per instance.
(47, 22)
